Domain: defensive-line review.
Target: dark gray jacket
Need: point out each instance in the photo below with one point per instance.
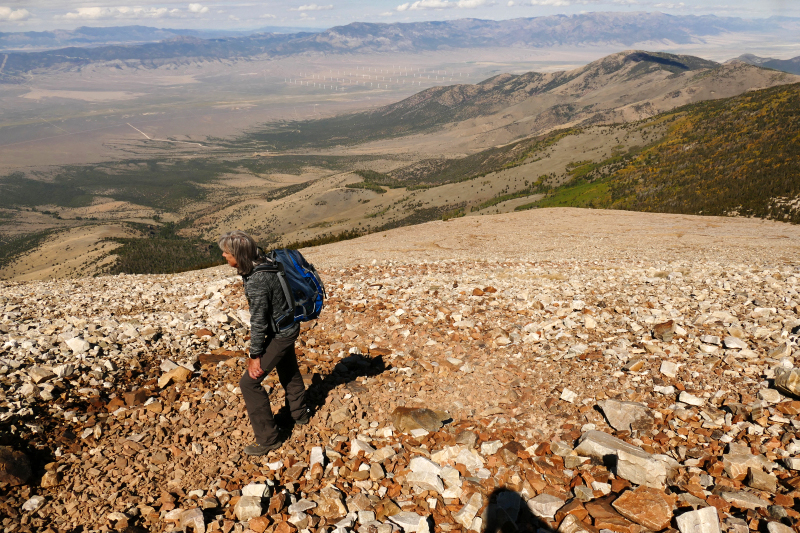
(265, 298)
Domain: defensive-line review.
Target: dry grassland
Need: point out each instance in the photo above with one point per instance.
(77, 252)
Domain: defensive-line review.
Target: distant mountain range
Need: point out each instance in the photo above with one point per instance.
(787, 65)
(37, 41)
(621, 29)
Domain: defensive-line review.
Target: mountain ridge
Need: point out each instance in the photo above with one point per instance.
(623, 29)
(532, 103)
(87, 36)
(791, 66)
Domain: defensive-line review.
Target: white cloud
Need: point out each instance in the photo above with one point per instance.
(14, 15)
(312, 7)
(442, 4)
(123, 12)
(564, 3)
(510, 3)
(557, 3)
(130, 13)
(197, 8)
(267, 16)
(387, 14)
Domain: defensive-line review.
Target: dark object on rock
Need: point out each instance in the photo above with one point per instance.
(15, 468)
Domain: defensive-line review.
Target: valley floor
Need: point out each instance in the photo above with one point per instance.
(535, 336)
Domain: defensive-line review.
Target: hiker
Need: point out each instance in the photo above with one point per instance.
(268, 349)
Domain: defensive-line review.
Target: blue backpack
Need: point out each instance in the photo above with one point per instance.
(301, 284)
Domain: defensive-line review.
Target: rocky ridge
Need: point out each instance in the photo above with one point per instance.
(624, 391)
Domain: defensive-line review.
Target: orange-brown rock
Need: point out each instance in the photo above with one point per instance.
(647, 506)
(285, 527)
(789, 408)
(605, 517)
(574, 507)
(259, 524)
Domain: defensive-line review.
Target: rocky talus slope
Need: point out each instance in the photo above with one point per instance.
(558, 370)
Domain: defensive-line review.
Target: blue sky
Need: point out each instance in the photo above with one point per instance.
(24, 15)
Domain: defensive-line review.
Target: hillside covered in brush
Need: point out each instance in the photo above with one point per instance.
(738, 156)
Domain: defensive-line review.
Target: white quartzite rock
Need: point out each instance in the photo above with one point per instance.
(792, 463)
(470, 509)
(777, 527)
(737, 464)
(34, 503)
(770, 396)
(411, 522)
(669, 369)
(446, 455)
(301, 506)
(569, 396)
(599, 445)
(744, 500)
(425, 481)
(39, 374)
(471, 460)
(259, 490)
(317, 455)
(382, 454)
(193, 518)
(571, 524)
(490, 448)
(645, 469)
(64, 371)
(424, 465)
(78, 345)
(733, 343)
(624, 416)
(633, 463)
(247, 508)
(787, 381)
(358, 445)
(703, 520)
(545, 505)
(690, 399)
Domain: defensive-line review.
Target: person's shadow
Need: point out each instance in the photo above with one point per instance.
(344, 372)
(507, 512)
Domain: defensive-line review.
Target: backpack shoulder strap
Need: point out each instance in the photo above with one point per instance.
(273, 264)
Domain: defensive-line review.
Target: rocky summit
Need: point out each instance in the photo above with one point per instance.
(557, 370)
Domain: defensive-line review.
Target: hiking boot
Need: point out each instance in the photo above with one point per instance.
(260, 449)
(305, 419)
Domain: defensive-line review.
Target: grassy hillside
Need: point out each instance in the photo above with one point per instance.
(725, 157)
(162, 183)
(740, 155)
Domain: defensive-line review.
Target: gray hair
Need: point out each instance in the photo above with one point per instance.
(243, 248)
